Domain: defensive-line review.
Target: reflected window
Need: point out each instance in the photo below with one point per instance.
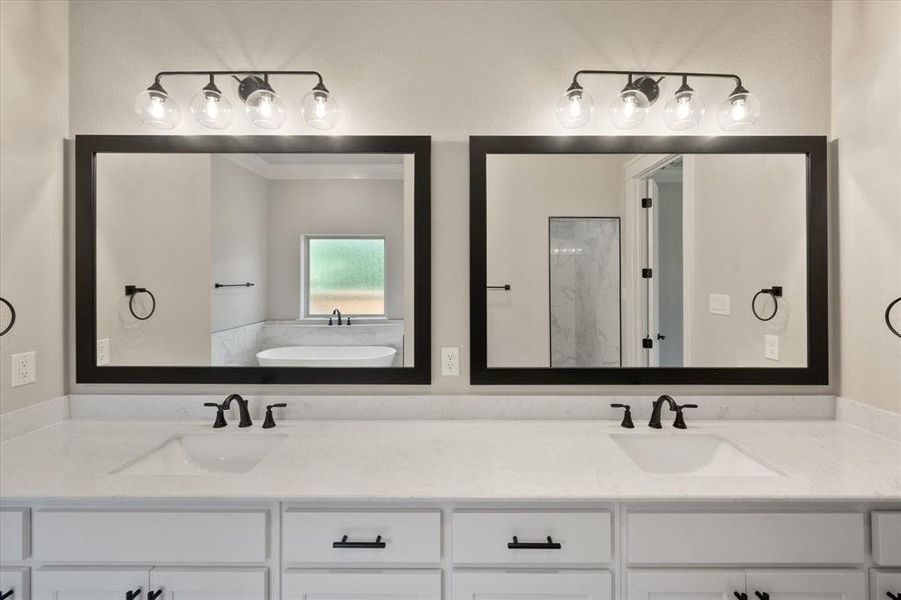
(347, 273)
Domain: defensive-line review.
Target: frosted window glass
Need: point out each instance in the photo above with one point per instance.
(347, 274)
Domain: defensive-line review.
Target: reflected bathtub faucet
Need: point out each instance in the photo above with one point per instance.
(336, 312)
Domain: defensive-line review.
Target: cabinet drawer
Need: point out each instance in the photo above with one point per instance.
(15, 581)
(362, 585)
(13, 534)
(544, 585)
(884, 582)
(482, 537)
(204, 584)
(116, 536)
(745, 538)
(410, 537)
(887, 538)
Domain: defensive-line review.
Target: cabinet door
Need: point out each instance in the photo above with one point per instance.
(544, 585)
(14, 580)
(210, 584)
(88, 584)
(693, 584)
(882, 583)
(362, 585)
(788, 584)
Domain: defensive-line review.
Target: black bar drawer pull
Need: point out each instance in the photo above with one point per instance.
(378, 543)
(548, 545)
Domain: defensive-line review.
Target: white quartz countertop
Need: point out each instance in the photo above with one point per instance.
(450, 460)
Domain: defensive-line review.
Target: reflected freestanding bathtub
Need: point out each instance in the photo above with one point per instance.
(327, 356)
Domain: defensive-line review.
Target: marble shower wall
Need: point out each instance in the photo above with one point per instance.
(238, 347)
(585, 291)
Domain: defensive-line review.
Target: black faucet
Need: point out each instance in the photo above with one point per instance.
(269, 421)
(336, 312)
(679, 422)
(226, 404)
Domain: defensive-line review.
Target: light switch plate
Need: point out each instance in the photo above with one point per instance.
(719, 304)
(771, 350)
(102, 352)
(22, 369)
(450, 361)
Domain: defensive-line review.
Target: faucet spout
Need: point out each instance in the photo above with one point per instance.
(338, 312)
(242, 409)
(654, 423)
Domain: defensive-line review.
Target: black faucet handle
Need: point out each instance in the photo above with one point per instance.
(627, 416)
(269, 421)
(679, 422)
(220, 414)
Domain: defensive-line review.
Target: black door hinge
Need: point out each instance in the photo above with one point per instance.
(647, 273)
(647, 202)
(647, 343)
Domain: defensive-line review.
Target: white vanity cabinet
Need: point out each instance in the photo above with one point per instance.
(88, 583)
(724, 584)
(685, 584)
(14, 583)
(532, 585)
(810, 584)
(202, 584)
(883, 583)
(400, 584)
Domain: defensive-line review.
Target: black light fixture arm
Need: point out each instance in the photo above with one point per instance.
(575, 84)
(157, 79)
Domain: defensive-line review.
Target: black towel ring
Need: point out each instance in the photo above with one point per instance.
(888, 321)
(12, 316)
(775, 292)
(132, 291)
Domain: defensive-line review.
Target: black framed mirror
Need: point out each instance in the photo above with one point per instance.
(648, 260)
(253, 259)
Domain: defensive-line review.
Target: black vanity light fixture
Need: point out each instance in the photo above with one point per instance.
(212, 109)
(738, 112)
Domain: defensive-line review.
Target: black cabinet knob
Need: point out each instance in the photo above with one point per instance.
(740, 595)
(133, 594)
(154, 594)
(5, 595)
(894, 596)
(762, 595)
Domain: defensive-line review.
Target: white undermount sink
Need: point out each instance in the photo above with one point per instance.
(689, 454)
(200, 453)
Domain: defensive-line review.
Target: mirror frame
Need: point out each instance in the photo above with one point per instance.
(814, 147)
(86, 149)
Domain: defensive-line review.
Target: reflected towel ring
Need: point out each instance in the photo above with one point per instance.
(12, 316)
(776, 293)
(888, 321)
(132, 291)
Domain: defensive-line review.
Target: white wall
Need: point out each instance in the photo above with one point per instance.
(153, 231)
(34, 120)
(240, 224)
(332, 206)
(523, 192)
(449, 70)
(749, 222)
(866, 184)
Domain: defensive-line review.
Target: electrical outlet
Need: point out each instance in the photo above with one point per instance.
(22, 369)
(450, 361)
(771, 347)
(719, 304)
(102, 352)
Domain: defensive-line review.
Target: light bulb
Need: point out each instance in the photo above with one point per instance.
(685, 110)
(319, 109)
(575, 107)
(266, 109)
(211, 108)
(739, 111)
(155, 108)
(629, 108)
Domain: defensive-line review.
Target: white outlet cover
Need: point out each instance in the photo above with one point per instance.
(102, 352)
(719, 304)
(771, 347)
(450, 361)
(23, 369)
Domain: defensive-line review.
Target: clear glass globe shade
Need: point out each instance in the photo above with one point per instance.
(683, 111)
(628, 109)
(320, 110)
(266, 109)
(212, 110)
(157, 110)
(739, 112)
(574, 109)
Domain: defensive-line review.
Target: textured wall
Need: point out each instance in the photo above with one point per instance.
(452, 69)
(34, 121)
(866, 183)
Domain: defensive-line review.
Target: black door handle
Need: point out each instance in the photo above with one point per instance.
(5, 595)
(153, 595)
(762, 595)
(740, 595)
(548, 545)
(378, 543)
(133, 595)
